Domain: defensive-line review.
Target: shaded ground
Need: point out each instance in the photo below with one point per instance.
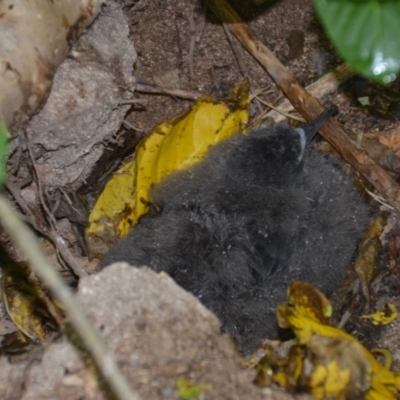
(163, 33)
(147, 321)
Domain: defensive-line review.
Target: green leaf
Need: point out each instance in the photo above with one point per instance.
(366, 34)
(3, 149)
(186, 389)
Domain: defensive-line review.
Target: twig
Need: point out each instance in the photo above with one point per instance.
(184, 94)
(41, 227)
(27, 243)
(278, 110)
(378, 198)
(192, 45)
(141, 102)
(128, 125)
(202, 22)
(309, 106)
(69, 201)
(58, 240)
(235, 50)
(196, 36)
(345, 317)
(255, 95)
(327, 84)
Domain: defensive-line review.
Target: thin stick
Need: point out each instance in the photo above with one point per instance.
(128, 125)
(28, 244)
(278, 110)
(327, 84)
(235, 50)
(58, 240)
(142, 102)
(183, 94)
(192, 45)
(51, 233)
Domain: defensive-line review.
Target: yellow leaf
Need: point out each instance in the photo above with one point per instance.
(173, 145)
(24, 300)
(384, 317)
(313, 303)
(183, 142)
(368, 250)
(330, 381)
(318, 378)
(307, 322)
(386, 355)
(115, 202)
(271, 369)
(294, 369)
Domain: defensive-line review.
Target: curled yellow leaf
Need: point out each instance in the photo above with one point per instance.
(173, 145)
(329, 381)
(182, 142)
(384, 317)
(25, 301)
(329, 362)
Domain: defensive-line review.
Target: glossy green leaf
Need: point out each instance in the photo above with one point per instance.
(366, 34)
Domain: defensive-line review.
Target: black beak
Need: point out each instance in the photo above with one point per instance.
(312, 127)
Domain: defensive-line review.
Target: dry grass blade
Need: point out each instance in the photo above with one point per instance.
(27, 243)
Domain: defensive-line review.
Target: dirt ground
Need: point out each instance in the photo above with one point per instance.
(176, 46)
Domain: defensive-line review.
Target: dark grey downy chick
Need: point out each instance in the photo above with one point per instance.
(260, 211)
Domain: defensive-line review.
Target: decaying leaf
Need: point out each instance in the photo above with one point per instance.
(384, 317)
(26, 303)
(272, 368)
(15, 343)
(335, 367)
(326, 361)
(368, 249)
(309, 301)
(173, 145)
